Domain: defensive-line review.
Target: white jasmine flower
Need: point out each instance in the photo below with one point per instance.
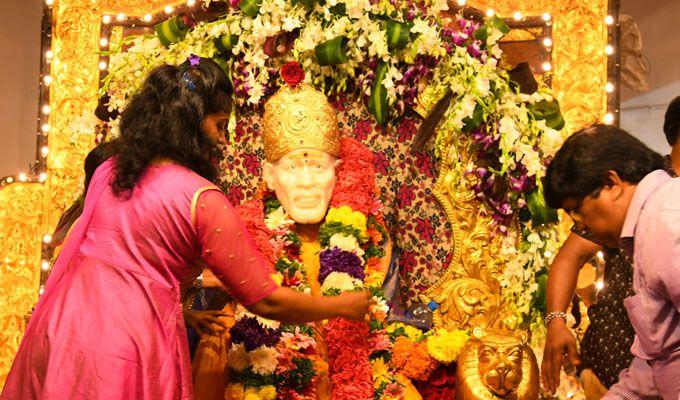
(238, 357)
(263, 360)
(346, 243)
(342, 281)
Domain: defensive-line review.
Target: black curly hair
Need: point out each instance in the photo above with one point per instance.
(163, 120)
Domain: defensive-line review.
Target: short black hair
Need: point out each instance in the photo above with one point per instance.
(580, 166)
(671, 123)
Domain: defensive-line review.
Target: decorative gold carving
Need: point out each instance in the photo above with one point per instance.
(27, 211)
(497, 366)
(299, 117)
(468, 292)
(20, 222)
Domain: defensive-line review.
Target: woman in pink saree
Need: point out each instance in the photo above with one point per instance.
(109, 324)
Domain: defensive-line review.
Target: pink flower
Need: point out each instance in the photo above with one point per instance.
(394, 390)
(379, 342)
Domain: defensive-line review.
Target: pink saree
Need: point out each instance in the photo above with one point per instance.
(109, 324)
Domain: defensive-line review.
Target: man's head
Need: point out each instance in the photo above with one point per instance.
(301, 145)
(671, 124)
(594, 175)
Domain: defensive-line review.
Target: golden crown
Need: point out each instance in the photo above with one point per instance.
(299, 117)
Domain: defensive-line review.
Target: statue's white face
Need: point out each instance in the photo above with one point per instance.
(303, 180)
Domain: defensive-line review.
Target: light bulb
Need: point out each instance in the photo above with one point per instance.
(103, 42)
(106, 19)
(45, 265)
(547, 17)
(44, 151)
(517, 16)
(46, 109)
(490, 12)
(47, 238)
(548, 253)
(461, 2)
(191, 3)
(42, 177)
(547, 42)
(102, 65)
(49, 2)
(49, 54)
(609, 87)
(609, 50)
(45, 128)
(547, 66)
(10, 179)
(147, 17)
(599, 285)
(47, 79)
(168, 9)
(22, 177)
(609, 20)
(120, 17)
(609, 118)
(41, 290)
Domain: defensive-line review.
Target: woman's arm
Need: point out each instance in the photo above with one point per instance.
(288, 305)
(229, 250)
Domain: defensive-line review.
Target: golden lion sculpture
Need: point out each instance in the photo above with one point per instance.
(497, 366)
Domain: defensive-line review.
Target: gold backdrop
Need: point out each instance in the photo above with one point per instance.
(29, 210)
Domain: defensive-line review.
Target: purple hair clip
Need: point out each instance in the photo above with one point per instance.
(194, 60)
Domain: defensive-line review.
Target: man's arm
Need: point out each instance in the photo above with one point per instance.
(575, 252)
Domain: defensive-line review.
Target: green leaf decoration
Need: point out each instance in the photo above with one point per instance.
(171, 30)
(377, 103)
(332, 52)
(225, 43)
(491, 23)
(398, 35)
(541, 213)
(250, 7)
(548, 111)
(475, 120)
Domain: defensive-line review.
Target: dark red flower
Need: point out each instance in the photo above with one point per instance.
(424, 229)
(362, 129)
(252, 164)
(292, 73)
(406, 195)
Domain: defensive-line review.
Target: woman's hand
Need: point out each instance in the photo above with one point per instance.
(210, 281)
(560, 343)
(356, 304)
(206, 322)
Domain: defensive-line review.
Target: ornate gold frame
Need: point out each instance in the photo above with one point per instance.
(29, 210)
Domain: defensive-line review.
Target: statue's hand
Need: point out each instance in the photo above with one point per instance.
(560, 343)
(356, 304)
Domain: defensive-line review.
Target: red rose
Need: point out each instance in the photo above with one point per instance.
(292, 73)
